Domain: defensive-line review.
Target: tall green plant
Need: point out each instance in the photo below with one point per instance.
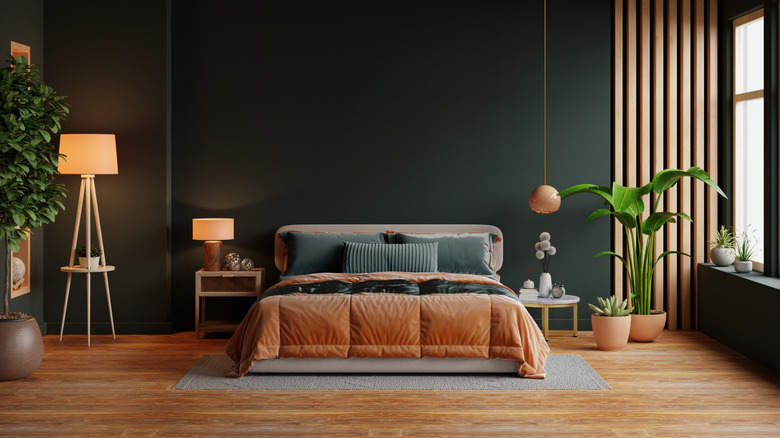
(627, 206)
(31, 113)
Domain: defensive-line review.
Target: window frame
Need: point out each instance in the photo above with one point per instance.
(743, 97)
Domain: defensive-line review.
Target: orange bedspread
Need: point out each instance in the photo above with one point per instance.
(389, 325)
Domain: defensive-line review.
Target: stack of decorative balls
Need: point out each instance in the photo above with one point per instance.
(233, 262)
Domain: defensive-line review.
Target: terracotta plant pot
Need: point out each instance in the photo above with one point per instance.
(610, 332)
(645, 328)
(722, 256)
(21, 348)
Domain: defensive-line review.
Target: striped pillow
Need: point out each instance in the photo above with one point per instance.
(403, 257)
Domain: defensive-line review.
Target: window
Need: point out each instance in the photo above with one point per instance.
(749, 129)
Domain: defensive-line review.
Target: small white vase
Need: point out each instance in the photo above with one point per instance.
(93, 262)
(545, 285)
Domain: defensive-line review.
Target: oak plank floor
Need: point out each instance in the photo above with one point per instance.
(682, 384)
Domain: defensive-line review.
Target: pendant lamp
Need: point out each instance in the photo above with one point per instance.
(545, 199)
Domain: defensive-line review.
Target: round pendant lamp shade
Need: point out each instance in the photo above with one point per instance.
(544, 199)
(88, 154)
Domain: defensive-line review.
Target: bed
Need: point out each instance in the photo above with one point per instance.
(387, 299)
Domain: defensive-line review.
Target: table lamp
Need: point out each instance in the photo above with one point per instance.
(88, 155)
(213, 231)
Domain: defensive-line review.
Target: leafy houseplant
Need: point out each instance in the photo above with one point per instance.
(30, 112)
(627, 206)
(611, 323)
(94, 252)
(745, 246)
(722, 251)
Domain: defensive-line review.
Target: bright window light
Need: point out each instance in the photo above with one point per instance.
(749, 130)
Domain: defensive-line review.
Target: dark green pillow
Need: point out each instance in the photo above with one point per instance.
(410, 257)
(464, 253)
(308, 253)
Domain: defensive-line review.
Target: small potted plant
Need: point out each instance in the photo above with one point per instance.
(529, 284)
(745, 246)
(94, 256)
(722, 251)
(611, 323)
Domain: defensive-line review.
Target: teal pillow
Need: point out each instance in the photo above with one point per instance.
(464, 253)
(308, 253)
(361, 258)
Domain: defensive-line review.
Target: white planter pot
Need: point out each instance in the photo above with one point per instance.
(722, 256)
(743, 267)
(93, 262)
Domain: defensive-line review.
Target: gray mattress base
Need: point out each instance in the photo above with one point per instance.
(355, 365)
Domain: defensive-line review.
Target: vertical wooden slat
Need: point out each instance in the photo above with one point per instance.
(658, 140)
(685, 161)
(712, 116)
(630, 111)
(672, 126)
(699, 244)
(644, 95)
(618, 174)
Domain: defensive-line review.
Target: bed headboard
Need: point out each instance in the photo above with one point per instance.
(498, 248)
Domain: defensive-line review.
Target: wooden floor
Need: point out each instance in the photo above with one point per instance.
(682, 384)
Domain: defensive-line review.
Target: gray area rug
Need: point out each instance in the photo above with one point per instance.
(564, 371)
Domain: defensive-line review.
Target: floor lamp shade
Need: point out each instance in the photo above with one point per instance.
(88, 154)
(213, 231)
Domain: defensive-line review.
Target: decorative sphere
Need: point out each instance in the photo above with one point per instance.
(17, 269)
(230, 258)
(544, 199)
(234, 265)
(247, 264)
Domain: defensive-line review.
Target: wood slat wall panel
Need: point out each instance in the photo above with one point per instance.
(665, 117)
(618, 174)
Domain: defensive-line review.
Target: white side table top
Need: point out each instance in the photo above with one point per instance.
(566, 299)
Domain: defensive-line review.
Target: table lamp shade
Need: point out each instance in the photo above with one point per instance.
(88, 154)
(212, 229)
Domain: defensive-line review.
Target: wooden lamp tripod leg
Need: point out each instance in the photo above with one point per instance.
(102, 253)
(72, 254)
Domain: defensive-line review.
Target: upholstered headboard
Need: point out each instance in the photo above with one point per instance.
(498, 248)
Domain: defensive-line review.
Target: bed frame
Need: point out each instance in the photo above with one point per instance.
(394, 364)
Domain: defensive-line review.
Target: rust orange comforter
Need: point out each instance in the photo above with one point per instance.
(301, 323)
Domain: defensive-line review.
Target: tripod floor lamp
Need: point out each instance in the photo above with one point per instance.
(88, 155)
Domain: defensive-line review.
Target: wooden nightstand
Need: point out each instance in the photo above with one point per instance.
(224, 284)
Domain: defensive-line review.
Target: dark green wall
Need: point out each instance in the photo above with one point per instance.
(23, 22)
(110, 59)
(325, 112)
(389, 112)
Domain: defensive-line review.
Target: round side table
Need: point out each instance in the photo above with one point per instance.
(554, 303)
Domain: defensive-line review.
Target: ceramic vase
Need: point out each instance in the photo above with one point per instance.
(743, 267)
(545, 285)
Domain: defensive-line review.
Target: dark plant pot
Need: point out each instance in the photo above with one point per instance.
(21, 348)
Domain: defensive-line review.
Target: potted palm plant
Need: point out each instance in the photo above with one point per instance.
(611, 323)
(627, 206)
(31, 112)
(722, 251)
